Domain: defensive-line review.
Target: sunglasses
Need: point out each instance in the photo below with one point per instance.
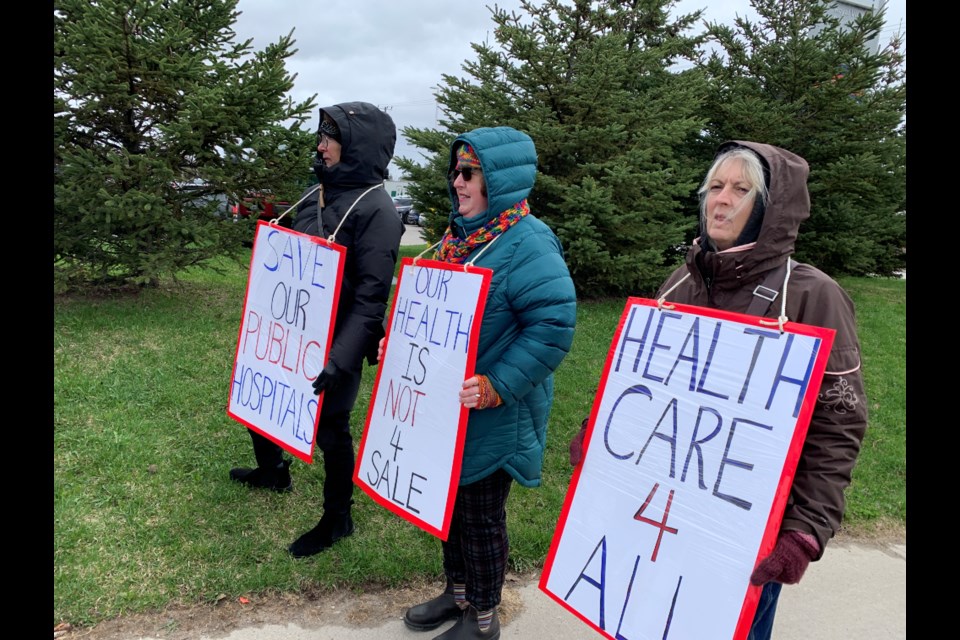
(466, 171)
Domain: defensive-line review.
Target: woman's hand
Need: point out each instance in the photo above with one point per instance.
(380, 349)
(470, 392)
(478, 393)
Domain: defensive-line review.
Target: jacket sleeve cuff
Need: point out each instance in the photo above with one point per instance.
(819, 537)
(488, 395)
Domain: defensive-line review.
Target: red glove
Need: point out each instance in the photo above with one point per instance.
(788, 560)
(576, 445)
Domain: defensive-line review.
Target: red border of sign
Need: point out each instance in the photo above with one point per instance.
(486, 275)
(306, 457)
(779, 504)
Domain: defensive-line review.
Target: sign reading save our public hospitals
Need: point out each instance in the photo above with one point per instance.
(285, 336)
(412, 445)
(690, 451)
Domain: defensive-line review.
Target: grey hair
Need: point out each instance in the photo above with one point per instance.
(752, 171)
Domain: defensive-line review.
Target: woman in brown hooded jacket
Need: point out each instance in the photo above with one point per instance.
(752, 202)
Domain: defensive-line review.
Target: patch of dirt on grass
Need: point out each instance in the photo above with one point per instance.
(881, 532)
(309, 610)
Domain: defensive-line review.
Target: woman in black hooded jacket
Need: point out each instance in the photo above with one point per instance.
(355, 144)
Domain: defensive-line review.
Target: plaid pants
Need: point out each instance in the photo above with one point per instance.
(475, 553)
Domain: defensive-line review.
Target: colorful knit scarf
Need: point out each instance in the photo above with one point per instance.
(455, 250)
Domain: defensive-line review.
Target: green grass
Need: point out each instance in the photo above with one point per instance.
(145, 515)
(879, 488)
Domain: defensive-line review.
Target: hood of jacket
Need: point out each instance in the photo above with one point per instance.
(788, 205)
(508, 159)
(368, 137)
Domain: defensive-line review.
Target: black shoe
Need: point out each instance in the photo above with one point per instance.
(467, 628)
(433, 613)
(277, 479)
(330, 529)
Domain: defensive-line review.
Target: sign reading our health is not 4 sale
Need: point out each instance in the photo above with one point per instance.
(285, 336)
(412, 445)
(690, 451)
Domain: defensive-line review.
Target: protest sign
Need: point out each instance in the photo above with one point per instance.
(285, 336)
(410, 453)
(689, 456)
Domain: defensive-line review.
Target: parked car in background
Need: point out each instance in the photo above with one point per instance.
(261, 206)
(199, 193)
(422, 219)
(405, 209)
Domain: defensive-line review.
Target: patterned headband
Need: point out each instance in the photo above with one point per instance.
(466, 157)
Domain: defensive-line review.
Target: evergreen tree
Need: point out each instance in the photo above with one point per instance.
(595, 86)
(159, 118)
(823, 94)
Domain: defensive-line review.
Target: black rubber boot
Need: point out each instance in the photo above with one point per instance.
(433, 613)
(276, 479)
(468, 628)
(332, 527)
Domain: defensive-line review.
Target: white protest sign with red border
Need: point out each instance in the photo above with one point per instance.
(693, 439)
(285, 335)
(412, 445)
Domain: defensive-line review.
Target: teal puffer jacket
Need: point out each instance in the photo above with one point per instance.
(530, 314)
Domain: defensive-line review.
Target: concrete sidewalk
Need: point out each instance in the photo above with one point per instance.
(857, 591)
(412, 234)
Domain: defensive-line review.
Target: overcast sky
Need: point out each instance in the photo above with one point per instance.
(393, 53)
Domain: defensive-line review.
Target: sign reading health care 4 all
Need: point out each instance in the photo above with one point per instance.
(285, 336)
(690, 451)
(410, 453)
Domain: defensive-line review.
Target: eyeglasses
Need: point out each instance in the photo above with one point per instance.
(466, 171)
(323, 139)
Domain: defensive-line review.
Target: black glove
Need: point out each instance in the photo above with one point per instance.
(788, 560)
(328, 380)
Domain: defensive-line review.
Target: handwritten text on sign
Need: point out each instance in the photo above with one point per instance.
(409, 459)
(285, 336)
(697, 422)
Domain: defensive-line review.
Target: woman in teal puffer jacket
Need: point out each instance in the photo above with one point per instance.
(526, 332)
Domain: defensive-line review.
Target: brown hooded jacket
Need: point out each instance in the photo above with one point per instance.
(727, 279)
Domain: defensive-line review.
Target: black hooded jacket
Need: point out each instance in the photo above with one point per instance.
(371, 232)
